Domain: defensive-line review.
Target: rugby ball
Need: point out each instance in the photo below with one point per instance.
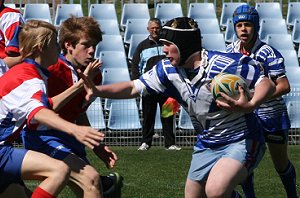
(228, 84)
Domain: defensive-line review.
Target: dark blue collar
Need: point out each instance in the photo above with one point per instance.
(31, 61)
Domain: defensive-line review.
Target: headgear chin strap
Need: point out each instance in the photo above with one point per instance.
(185, 34)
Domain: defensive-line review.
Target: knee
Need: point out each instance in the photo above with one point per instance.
(215, 190)
(91, 180)
(62, 172)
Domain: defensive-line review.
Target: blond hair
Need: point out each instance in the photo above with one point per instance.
(35, 36)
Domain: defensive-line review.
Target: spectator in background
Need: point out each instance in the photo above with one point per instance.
(273, 113)
(146, 55)
(78, 37)
(231, 143)
(24, 102)
(9, 23)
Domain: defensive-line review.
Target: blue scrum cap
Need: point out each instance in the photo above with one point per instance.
(185, 34)
(246, 13)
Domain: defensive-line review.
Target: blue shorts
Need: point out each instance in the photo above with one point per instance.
(248, 152)
(11, 160)
(276, 137)
(59, 146)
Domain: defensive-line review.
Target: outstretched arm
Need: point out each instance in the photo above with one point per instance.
(63, 98)
(263, 91)
(84, 134)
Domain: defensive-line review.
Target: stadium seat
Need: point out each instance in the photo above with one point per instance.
(209, 26)
(296, 32)
(293, 13)
(158, 124)
(110, 43)
(168, 11)
(64, 11)
(293, 108)
(95, 115)
(124, 115)
(271, 26)
(227, 11)
(103, 11)
(202, 11)
(38, 11)
(114, 75)
(214, 42)
(184, 120)
(134, 11)
(134, 42)
(229, 34)
(280, 41)
(109, 26)
(113, 59)
(293, 74)
(290, 58)
(10, 5)
(135, 26)
(268, 10)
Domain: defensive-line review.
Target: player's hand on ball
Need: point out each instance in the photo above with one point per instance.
(241, 104)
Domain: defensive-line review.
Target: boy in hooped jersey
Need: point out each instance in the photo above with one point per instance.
(229, 141)
(273, 113)
(78, 37)
(24, 102)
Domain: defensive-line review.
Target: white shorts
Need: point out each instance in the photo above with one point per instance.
(249, 152)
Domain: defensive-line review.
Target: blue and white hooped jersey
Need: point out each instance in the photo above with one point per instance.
(219, 127)
(273, 113)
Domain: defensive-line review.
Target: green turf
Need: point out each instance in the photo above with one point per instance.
(158, 173)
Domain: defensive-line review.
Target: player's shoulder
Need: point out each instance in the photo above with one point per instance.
(6, 10)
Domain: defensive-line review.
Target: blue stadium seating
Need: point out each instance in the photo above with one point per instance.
(272, 26)
(103, 11)
(135, 26)
(134, 42)
(280, 41)
(184, 121)
(208, 26)
(64, 11)
(269, 10)
(38, 11)
(168, 11)
(213, 42)
(113, 59)
(227, 11)
(229, 34)
(296, 32)
(110, 43)
(95, 115)
(109, 26)
(293, 13)
(124, 115)
(134, 11)
(202, 11)
(290, 58)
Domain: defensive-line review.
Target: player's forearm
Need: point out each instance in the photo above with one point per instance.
(123, 90)
(263, 91)
(63, 98)
(52, 120)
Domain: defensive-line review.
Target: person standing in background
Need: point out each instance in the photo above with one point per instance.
(273, 113)
(147, 54)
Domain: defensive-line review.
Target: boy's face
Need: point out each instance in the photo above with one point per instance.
(245, 31)
(172, 53)
(82, 53)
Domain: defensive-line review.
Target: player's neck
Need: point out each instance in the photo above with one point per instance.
(193, 61)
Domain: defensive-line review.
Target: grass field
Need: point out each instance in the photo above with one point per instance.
(158, 173)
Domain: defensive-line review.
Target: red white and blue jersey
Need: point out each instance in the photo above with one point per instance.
(22, 94)
(63, 76)
(219, 127)
(273, 113)
(10, 21)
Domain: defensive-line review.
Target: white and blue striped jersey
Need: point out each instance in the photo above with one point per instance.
(273, 113)
(219, 126)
